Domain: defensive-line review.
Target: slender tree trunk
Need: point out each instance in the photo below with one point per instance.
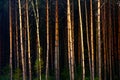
(28, 42)
(119, 38)
(10, 29)
(104, 37)
(82, 44)
(56, 43)
(91, 39)
(36, 15)
(21, 41)
(47, 56)
(70, 42)
(110, 39)
(24, 40)
(88, 43)
(99, 41)
(38, 38)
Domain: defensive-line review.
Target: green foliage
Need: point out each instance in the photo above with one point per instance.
(78, 72)
(5, 73)
(38, 65)
(96, 78)
(65, 74)
(43, 77)
(17, 75)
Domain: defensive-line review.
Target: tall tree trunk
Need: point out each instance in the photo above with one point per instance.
(10, 30)
(21, 41)
(99, 40)
(104, 36)
(28, 41)
(36, 15)
(82, 43)
(91, 39)
(88, 43)
(119, 38)
(110, 39)
(47, 26)
(70, 42)
(24, 39)
(38, 38)
(56, 43)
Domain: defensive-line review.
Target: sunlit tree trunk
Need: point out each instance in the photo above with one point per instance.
(72, 32)
(36, 15)
(99, 40)
(91, 39)
(47, 26)
(88, 43)
(70, 42)
(28, 41)
(38, 38)
(10, 30)
(56, 43)
(21, 41)
(82, 44)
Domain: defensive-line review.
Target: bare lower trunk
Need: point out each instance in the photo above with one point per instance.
(10, 30)
(82, 44)
(91, 39)
(88, 43)
(47, 56)
(21, 41)
(99, 41)
(70, 42)
(56, 43)
(28, 41)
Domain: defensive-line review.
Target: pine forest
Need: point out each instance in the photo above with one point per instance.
(59, 39)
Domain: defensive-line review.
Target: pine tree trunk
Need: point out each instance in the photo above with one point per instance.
(56, 43)
(119, 38)
(88, 43)
(28, 41)
(21, 41)
(91, 39)
(82, 44)
(99, 41)
(70, 42)
(47, 56)
(10, 30)
(104, 37)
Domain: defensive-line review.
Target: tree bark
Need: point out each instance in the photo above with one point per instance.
(82, 43)
(70, 42)
(21, 41)
(28, 41)
(91, 39)
(99, 40)
(56, 43)
(88, 43)
(10, 30)
(47, 26)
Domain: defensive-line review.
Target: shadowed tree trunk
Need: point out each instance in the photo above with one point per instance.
(88, 43)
